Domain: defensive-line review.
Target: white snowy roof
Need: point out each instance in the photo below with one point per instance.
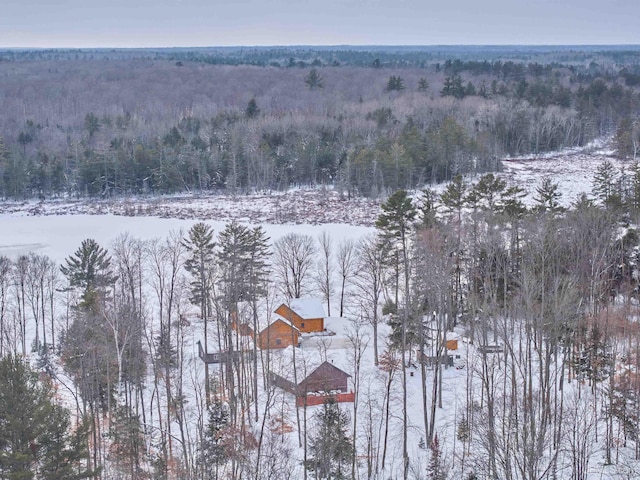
(307, 307)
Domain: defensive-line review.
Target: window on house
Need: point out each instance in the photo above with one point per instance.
(302, 325)
(278, 341)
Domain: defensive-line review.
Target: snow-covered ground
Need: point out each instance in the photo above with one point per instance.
(317, 206)
(572, 170)
(59, 236)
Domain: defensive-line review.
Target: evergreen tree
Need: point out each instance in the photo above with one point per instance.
(423, 85)
(330, 448)
(258, 262)
(35, 436)
(447, 88)
(242, 278)
(453, 87)
(4, 177)
(488, 190)
(214, 450)
(395, 83)
(453, 198)
(547, 197)
(127, 442)
(91, 124)
(89, 269)
(428, 209)
(233, 260)
(200, 246)
(470, 90)
(395, 223)
(314, 80)
(436, 470)
(627, 138)
(252, 109)
(633, 197)
(398, 213)
(605, 185)
(87, 349)
(511, 204)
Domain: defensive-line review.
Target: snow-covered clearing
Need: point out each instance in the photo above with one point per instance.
(572, 170)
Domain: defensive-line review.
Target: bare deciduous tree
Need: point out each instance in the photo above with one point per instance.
(293, 257)
(347, 261)
(325, 269)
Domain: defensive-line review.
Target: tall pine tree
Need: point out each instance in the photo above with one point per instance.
(35, 433)
(330, 447)
(395, 224)
(200, 246)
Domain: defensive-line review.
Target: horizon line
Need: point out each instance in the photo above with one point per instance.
(336, 46)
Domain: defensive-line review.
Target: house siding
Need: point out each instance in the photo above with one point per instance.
(306, 325)
(278, 335)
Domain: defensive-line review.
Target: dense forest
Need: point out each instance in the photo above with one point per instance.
(105, 123)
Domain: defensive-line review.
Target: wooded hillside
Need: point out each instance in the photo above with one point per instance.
(104, 123)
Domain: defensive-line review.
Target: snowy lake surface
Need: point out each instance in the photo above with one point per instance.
(59, 236)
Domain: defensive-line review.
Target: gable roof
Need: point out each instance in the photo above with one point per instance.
(327, 366)
(283, 320)
(307, 362)
(307, 307)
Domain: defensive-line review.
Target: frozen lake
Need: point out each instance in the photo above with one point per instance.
(58, 236)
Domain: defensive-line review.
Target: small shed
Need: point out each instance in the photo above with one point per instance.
(279, 334)
(307, 314)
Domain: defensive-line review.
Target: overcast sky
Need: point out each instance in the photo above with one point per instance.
(166, 23)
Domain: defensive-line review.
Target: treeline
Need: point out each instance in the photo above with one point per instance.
(359, 56)
(139, 126)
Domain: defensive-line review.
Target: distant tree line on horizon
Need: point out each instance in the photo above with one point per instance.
(102, 128)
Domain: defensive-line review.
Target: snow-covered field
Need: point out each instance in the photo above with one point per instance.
(572, 170)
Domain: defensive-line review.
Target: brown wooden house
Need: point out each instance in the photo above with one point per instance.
(307, 314)
(325, 381)
(279, 334)
(326, 378)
